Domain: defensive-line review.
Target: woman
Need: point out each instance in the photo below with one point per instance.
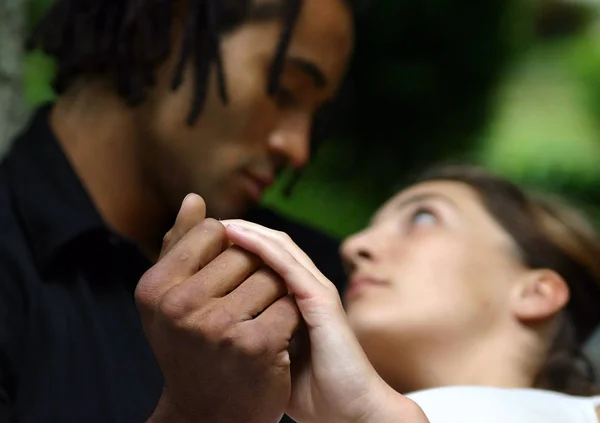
(461, 282)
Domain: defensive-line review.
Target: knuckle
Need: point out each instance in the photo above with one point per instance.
(230, 338)
(166, 240)
(254, 346)
(174, 306)
(207, 323)
(331, 288)
(215, 326)
(180, 255)
(141, 296)
(283, 236)
(147, 286)
(249, 343)
(212, 226)
(152, 276)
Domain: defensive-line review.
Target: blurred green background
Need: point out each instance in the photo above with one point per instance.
(511, 84)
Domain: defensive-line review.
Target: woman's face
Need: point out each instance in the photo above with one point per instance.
(433, 269)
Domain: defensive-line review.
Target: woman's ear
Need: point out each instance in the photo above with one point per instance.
(539, 295)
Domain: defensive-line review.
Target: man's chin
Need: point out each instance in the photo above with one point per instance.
(230, 210)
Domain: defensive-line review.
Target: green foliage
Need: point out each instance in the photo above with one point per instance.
(425, 74)
(546, 130)
(39, 70)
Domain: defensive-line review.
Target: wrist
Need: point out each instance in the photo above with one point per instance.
(167, 412)
(170, 411)
(388, 406)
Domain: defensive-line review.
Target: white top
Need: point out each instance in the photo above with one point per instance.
(497, 405)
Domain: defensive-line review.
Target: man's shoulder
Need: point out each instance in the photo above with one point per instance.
(8, 219)
(15, 254)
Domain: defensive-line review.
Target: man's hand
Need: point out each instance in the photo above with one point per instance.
(219, 325)
(336, 382)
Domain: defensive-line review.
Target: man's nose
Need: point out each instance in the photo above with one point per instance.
(291, 140)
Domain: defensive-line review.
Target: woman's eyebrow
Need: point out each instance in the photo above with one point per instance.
(415, 199)
(418, 198)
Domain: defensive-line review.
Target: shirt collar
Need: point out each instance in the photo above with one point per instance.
(53, 205)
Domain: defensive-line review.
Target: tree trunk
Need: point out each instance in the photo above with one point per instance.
(12, 35)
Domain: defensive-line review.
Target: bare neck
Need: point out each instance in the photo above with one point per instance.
(98, 134)
(484, 363)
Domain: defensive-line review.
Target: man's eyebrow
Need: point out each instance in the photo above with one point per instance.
(274, 9)
(311, 69)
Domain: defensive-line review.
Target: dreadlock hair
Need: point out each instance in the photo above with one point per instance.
(127, 39)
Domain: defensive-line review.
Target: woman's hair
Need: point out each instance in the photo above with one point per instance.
(550, 235)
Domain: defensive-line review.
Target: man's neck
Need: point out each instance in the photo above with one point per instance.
(97, 131)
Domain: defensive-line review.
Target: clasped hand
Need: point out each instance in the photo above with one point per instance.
(221, 308)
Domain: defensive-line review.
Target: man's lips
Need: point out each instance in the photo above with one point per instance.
(257, 182)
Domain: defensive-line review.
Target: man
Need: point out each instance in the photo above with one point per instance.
(158, 98)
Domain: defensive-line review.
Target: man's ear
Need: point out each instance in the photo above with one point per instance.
(539, 295)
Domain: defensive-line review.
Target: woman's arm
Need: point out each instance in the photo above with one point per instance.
(337, 383)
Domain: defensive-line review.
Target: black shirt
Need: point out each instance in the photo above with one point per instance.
(72, 348)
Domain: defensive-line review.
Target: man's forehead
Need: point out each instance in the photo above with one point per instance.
(324, 35)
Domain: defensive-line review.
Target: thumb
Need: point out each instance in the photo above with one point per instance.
(191, 213)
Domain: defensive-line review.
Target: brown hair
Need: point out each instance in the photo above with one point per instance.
(550, 235)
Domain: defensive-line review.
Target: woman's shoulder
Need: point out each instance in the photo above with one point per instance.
(467, 404)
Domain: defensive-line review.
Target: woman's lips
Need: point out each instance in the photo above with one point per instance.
(361, 284)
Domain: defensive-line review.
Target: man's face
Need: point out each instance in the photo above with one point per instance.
(233, 151)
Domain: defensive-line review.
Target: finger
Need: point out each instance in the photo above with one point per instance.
(300, 281)
(278, 323)
(218, 278)
(258, 292)
(285, 241)
(195, 250)
(192, 212)
(319, 301)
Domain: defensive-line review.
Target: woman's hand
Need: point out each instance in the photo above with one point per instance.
(336, 383)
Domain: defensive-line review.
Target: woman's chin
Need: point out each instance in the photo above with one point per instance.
(367, 316)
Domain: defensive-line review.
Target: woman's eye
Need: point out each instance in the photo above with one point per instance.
(424, 218)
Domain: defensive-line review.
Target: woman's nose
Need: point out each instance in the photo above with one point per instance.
(357, 248)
